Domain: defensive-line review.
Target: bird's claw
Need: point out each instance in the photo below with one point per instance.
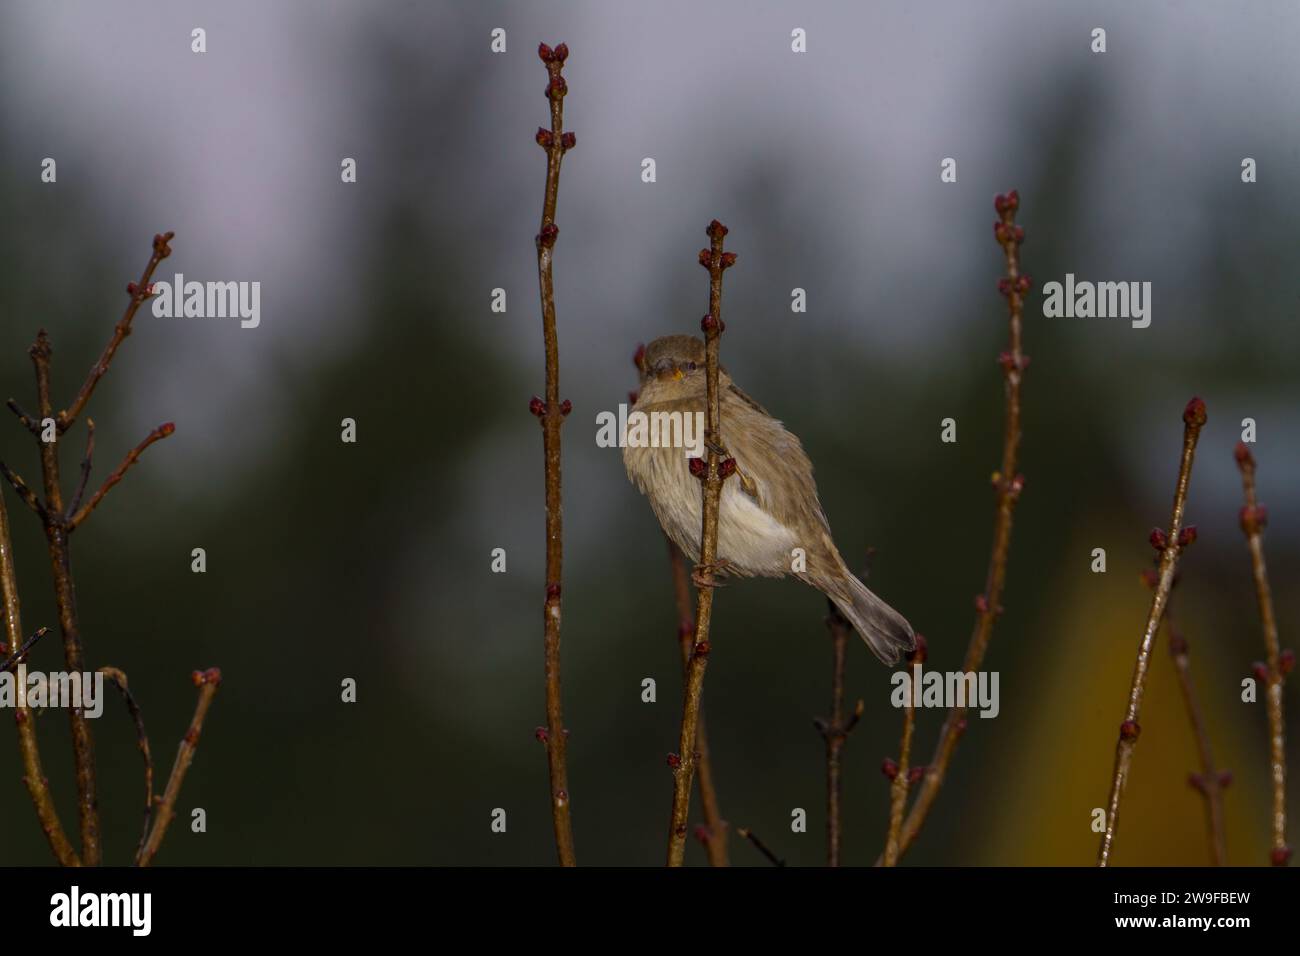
(702, 575)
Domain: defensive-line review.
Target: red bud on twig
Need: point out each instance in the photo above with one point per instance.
(1253, 520)
(1194, 413)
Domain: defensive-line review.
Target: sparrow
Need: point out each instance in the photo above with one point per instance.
(768, 509)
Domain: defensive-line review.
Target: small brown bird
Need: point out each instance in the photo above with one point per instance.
(769, 509)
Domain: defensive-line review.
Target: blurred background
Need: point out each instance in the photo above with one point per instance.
(373, 560)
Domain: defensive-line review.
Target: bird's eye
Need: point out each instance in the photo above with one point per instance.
(690, 366)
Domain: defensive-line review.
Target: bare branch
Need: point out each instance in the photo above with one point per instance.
(56, 536)
(86, 461)
(1009, 483)
(1210, 782)
(835, 731)
(747, 834)
(902, 771)
(158, 434)
(712, 475)
(27, 421)
(142, 741)
(139, 292)
(551, 413)
(715, 827)
(1170, 545)
(207, 682)
(24, 491)
(38, 788)
(1254, 517)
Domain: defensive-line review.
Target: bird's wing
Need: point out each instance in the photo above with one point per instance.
(740, 394)
(770, 460)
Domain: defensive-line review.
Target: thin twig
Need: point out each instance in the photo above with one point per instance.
(118, 473)
(552, 412)
(38, 788)
(86, 461)
(27, 421)
(716, 471)
(715, 828)
(747, 834)
(56, 536)
(139, 292)
(1254, 517)
(23, 490)
(835, 731)
(1009, 484)
(20, 655)
(207, 682)
(58, 522)
(1170, 545)
(1210, 782)
(902, 771)
(142, 741)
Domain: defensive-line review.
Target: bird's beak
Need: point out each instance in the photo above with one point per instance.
(677, 375)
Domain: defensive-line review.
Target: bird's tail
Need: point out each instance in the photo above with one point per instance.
(886, 631)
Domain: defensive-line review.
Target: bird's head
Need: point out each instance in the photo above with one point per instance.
(673, 364)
